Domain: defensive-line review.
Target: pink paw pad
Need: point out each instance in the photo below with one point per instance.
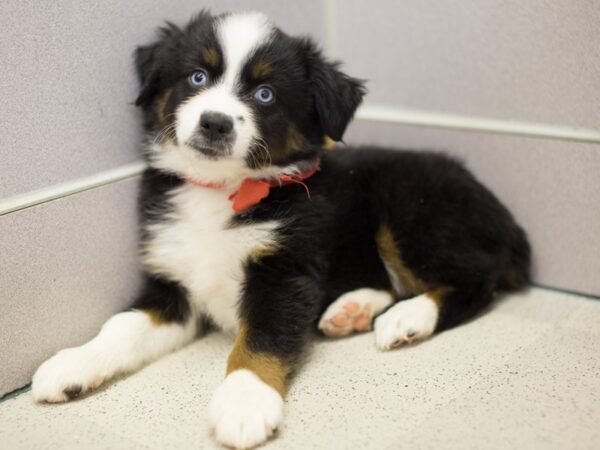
(354, 317)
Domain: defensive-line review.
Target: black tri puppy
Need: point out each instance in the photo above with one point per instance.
(249, 222)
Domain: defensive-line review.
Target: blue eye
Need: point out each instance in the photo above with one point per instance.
(198, 78)
(264, 95)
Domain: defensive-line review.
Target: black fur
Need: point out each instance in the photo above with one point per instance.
(337, 95)
(165, 298)
(450, 230)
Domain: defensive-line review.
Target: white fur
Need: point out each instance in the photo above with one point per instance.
(397, 284)
(195, 247)
(220, 98)
(239, 35)
(188, 162)
(126, 341)
(407, 321)
(375, 299)
(244, 410)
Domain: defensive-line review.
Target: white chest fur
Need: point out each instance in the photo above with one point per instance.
(196, 246)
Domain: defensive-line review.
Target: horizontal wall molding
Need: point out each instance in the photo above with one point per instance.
(34, 198)
(402, 116)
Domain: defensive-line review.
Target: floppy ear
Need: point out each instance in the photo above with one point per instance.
(147, 63)
(147, 74)
(336, 94)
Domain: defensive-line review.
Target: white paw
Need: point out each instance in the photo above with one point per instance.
(353, 311)
(244, 411)
(66, 375)
(408, 321)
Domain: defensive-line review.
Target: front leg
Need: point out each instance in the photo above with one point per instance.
(247, 407)
(277, 313)
(160, 322)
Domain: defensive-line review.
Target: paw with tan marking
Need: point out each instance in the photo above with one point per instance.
(354, 311)
(244, 411)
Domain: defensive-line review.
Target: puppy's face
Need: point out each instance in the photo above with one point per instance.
(232, 96)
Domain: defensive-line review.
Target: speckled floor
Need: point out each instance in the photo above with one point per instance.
(525, 375)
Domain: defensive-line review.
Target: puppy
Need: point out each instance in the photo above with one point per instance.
(249, 222)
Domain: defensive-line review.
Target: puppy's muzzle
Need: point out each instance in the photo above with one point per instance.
(214, 135)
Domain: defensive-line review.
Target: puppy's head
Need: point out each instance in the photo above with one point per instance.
(232, 96)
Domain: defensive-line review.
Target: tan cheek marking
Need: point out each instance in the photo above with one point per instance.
(211, 57)
(295, 140)
(279, 150)
(162, 104)
(261, 69)
(389, 251)
(268, 368)
(328, 143)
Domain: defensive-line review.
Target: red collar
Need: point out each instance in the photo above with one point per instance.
(253, 190)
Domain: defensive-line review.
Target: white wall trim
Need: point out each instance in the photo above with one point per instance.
(403, 116)
(330, 28)
(27, 200)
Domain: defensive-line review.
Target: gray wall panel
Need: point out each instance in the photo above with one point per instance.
(67, 80)
(552, 187)
(66, 267)
(532, 60)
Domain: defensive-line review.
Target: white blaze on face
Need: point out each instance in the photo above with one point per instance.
(239, 36)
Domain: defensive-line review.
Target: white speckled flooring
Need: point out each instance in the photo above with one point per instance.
(525, 375)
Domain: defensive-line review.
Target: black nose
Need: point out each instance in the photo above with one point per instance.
(215, 126)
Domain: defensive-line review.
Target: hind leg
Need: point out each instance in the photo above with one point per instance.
(127, 341)
(354, 311)
(436, 310)
(454, 280)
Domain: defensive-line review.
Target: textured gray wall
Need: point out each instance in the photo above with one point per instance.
(67, 84)
(532, 60)
(66, 267)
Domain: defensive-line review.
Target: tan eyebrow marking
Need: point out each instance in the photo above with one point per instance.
(261, 69)
(211, 56)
